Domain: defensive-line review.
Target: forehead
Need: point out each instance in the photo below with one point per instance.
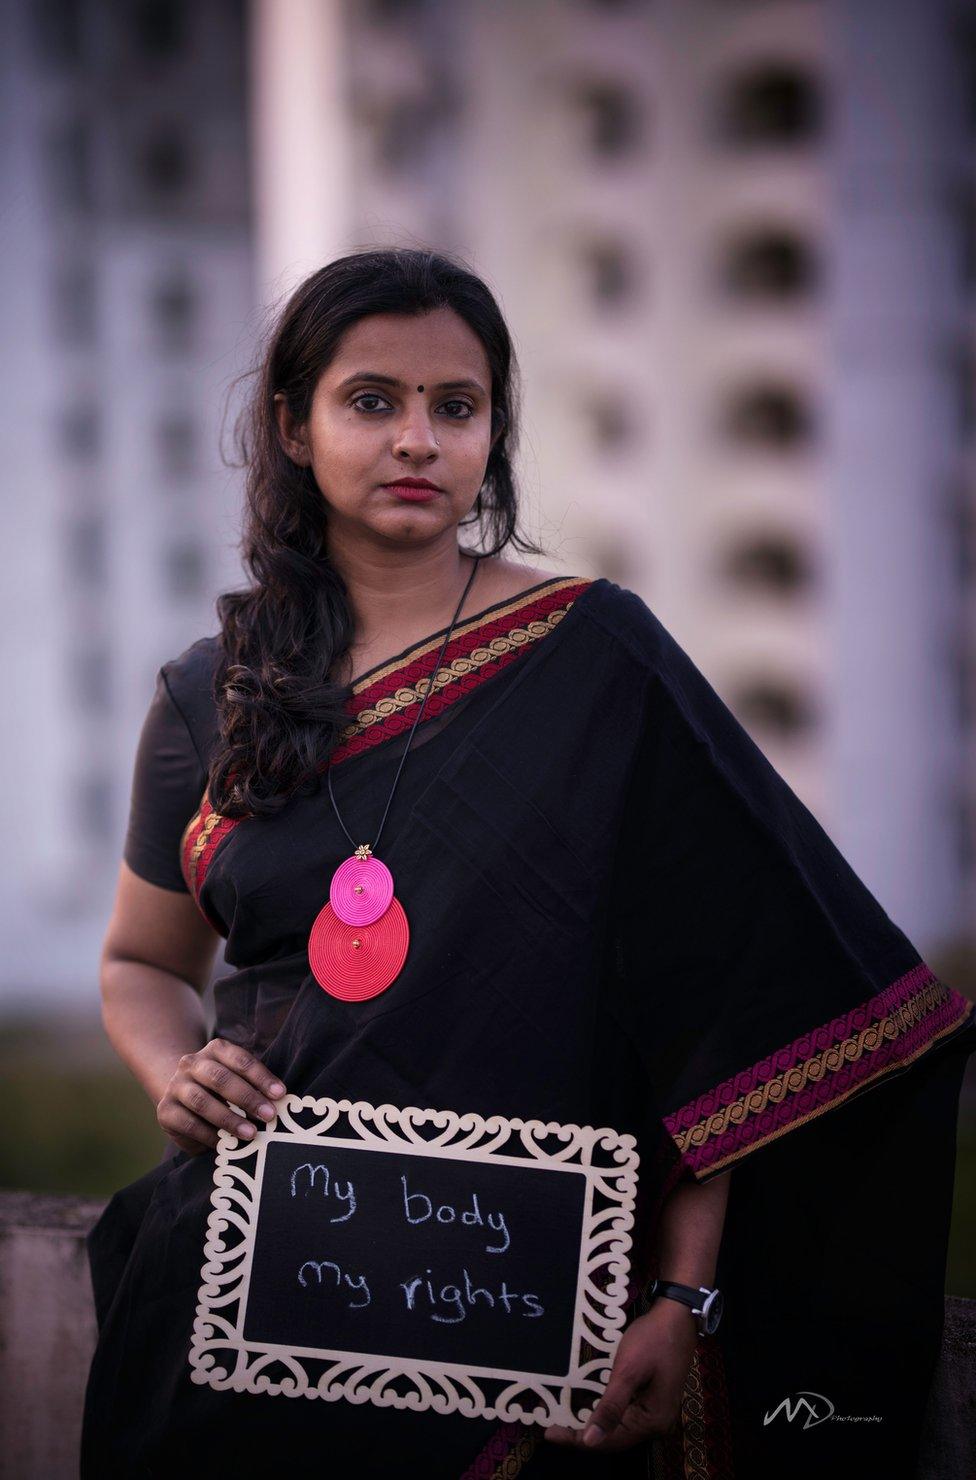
(436, 345)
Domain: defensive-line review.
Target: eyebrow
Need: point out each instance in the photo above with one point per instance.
(445, 385)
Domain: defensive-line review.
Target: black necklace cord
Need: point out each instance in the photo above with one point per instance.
(406, 748)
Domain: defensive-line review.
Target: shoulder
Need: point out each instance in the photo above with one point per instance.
(505, 580)
(625, 616)
(502, 580)
(193, 668)
(189, 682)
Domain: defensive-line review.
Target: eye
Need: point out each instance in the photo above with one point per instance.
(366, 396)
(466, 406)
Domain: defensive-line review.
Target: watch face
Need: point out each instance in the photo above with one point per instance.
(714, 1312)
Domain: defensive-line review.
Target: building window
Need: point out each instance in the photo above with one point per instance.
(93, 800)
(962, 822)
(771, 105)
(90, 674)
(69, 165)
(86, 549)
(58, 31)
(185, 570)
(962, 207)
(610, 273)
(768, 417)
(73, 306)
(770, 264)
(962, 668)
(768, 564)
(613, 118)
(611, 422)
(164, 161)
(612, 556)
(176, 437)
(963, 41)
(159, 27)
(173, 305)
(402, 129)
(963, 374)
(774, 707)
(391, 12)
(80, 432)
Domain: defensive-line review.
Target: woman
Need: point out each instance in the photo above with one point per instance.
(619, 915)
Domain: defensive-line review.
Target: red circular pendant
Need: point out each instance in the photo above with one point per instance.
(355, 962)
(361, 890)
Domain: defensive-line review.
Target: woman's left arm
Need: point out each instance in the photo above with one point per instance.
(643, 1396)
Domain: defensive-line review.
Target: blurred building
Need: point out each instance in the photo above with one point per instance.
(126, 308)
(736, 243)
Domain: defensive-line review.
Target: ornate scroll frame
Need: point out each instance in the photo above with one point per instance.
(221, 1357)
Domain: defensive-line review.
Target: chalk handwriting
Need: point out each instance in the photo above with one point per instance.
(454, 1300)
(423, 1208)
(312, 1171)
(317, 1265)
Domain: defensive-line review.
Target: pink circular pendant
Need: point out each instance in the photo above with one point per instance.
(361, 890)
(355, 962)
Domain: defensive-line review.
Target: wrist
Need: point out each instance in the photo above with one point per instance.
(703, 1304)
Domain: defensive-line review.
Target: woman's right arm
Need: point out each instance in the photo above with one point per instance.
(156, 961)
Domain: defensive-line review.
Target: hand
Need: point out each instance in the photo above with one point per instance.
(195, 1100)
(643, 1396)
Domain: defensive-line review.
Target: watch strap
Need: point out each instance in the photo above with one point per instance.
(698, 1300)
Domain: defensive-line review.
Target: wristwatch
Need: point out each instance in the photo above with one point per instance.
(705, 1304)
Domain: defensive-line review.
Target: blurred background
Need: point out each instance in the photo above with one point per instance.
(735, 242)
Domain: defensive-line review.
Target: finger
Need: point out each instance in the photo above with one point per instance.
(559, 1433)
(608, 1414)
(188, 1131)
(223, 1082)
(209, 1109)
(247, 1066)
(646, 1414)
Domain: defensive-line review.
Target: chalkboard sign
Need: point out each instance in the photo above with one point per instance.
(417, 1258)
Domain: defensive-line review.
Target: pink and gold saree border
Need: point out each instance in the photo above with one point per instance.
(817, 1071)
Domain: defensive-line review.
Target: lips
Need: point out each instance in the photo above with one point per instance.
(418, 483)
(414, 492)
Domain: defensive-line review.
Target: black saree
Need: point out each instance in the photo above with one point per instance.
(621, 915)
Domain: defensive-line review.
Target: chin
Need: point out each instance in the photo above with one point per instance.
(414, 526)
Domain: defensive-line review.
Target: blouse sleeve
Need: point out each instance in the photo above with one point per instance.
(167, 785)
(762, 981)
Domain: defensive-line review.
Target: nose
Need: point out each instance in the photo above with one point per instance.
(414, 437)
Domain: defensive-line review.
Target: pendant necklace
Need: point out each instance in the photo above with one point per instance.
(358, 943)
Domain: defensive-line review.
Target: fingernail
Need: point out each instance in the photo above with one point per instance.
(266, 1112)
(246, 1129)
(277, 1089)
(593, 1434)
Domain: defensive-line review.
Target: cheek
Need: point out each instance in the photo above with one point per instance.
(341, 444)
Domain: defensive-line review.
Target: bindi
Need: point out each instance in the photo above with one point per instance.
(420, 387)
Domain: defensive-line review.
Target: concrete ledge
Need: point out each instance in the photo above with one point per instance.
(48, 1323)
(47, 1318)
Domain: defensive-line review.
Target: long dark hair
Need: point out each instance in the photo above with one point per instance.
(279, 713)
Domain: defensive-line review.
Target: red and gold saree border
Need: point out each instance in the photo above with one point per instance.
(817, 1071)
(201, 837)
(384, 701)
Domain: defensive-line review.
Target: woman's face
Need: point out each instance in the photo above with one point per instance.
(363, 431)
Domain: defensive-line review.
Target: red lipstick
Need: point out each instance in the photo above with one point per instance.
(415, 490)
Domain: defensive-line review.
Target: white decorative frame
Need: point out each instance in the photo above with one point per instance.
(221, 1357)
